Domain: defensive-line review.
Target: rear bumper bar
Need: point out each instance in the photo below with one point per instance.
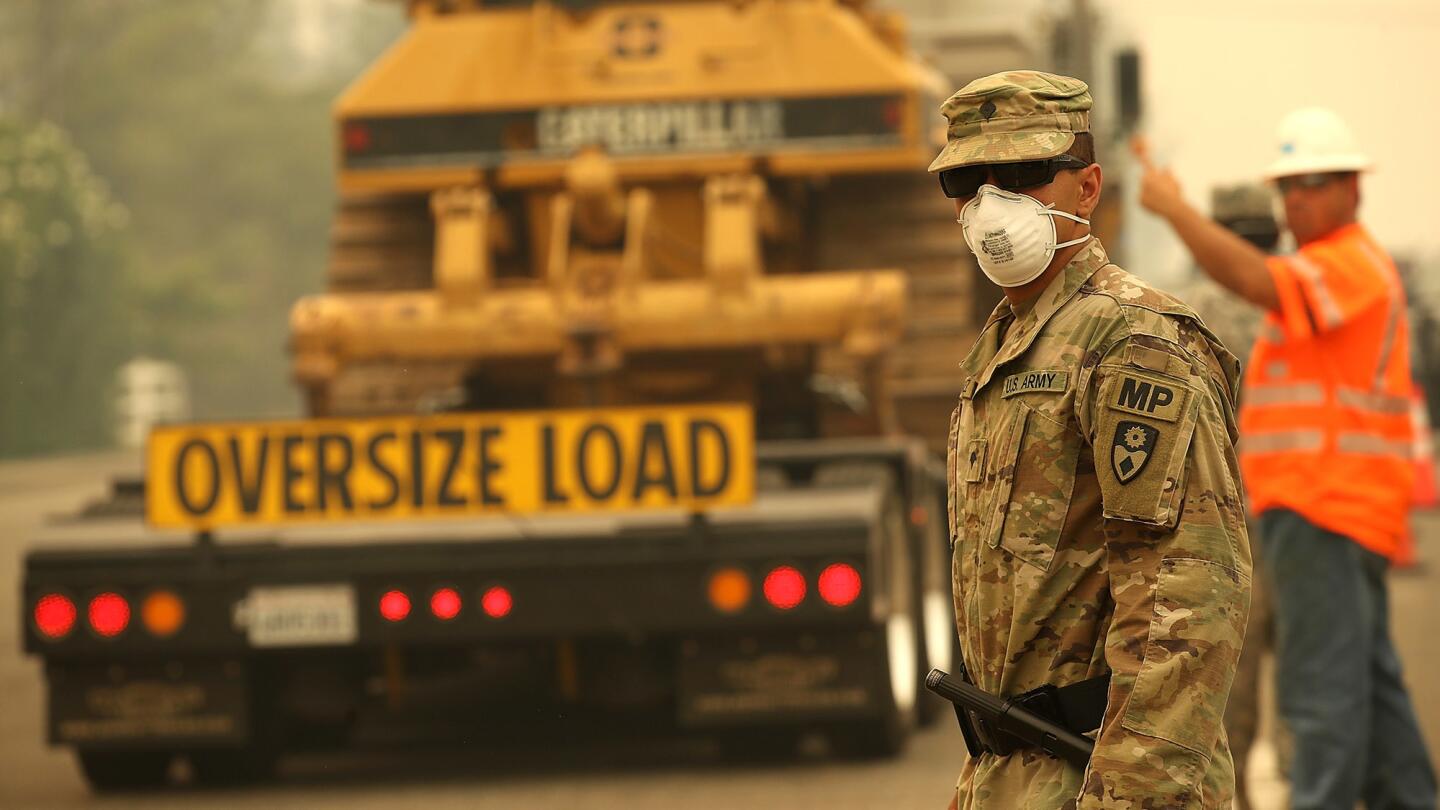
(638, 579)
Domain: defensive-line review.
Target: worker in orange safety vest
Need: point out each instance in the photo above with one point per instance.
(1326, 447)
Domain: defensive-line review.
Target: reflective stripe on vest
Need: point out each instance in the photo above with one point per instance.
(1284, 395)
(1392, 314)
(1281, 441)
(1376, 402)
(1369, 444)
(1324, 298)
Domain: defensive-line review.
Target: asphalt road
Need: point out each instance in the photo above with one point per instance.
(635, 775)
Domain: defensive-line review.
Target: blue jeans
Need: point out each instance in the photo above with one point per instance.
(1338, 675)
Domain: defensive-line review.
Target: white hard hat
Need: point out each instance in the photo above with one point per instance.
(1316, 140)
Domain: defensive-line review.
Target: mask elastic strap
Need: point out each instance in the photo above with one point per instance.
(1050, 211)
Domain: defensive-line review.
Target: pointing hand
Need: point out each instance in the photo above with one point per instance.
(1159, 190)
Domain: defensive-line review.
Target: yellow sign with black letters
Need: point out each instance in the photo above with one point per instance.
(452, 465)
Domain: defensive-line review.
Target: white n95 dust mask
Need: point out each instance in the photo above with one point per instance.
(1012, 235)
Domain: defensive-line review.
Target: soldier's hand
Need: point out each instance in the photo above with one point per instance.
(954, 798)
(1159, 190)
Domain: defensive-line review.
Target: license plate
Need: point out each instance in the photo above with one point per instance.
(298, 616)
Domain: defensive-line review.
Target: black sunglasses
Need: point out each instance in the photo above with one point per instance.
(1312, 180)
(964, 181)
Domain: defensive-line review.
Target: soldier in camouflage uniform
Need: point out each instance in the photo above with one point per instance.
(1247, 209)
(1094, 509)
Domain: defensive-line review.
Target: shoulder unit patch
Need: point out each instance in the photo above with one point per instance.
(1132, 448)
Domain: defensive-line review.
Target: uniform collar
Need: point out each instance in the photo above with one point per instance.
(989, 353)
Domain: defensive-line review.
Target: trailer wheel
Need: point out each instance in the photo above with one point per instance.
(933, 608)
(885, 735)
(937, 605)
(124, 770)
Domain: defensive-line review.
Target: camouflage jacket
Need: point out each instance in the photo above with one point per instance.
(1233, 319)
(1098, 526)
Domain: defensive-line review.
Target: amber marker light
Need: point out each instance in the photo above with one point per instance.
(729, 590)
(163, 613)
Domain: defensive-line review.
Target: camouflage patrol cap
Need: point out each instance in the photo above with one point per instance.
(1248, 209)
(1015, 115)
(1242, 201)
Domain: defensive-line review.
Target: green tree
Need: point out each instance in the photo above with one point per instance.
(60, 278)
(216, 136)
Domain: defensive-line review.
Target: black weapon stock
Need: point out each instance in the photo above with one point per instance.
(1010, 718)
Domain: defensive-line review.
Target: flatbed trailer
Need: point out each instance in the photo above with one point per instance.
(815, 608)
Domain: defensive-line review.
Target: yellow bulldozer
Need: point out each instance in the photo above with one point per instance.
(565, 204)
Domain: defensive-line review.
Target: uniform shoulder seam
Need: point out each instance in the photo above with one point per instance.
(1127, 306)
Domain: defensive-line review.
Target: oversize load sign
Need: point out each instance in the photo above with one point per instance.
(459, 465)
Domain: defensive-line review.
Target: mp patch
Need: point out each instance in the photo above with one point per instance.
(1133, 446)
(1040, 380)
(1142, 395)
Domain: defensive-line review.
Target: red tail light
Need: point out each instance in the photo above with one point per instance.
(356, 137)
(109, 614)
(839, 584)
(784, 587)
(54, 615)
(394, 606)
(497, 602)
(919, 516)
(894, 113)
(445, 604)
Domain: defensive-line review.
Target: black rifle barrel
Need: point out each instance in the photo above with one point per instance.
(1013, 719)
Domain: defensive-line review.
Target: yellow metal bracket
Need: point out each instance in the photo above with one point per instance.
(736, 215)
(462, 243)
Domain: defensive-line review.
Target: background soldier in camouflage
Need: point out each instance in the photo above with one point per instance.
(1248, 210)
(1096, 522)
